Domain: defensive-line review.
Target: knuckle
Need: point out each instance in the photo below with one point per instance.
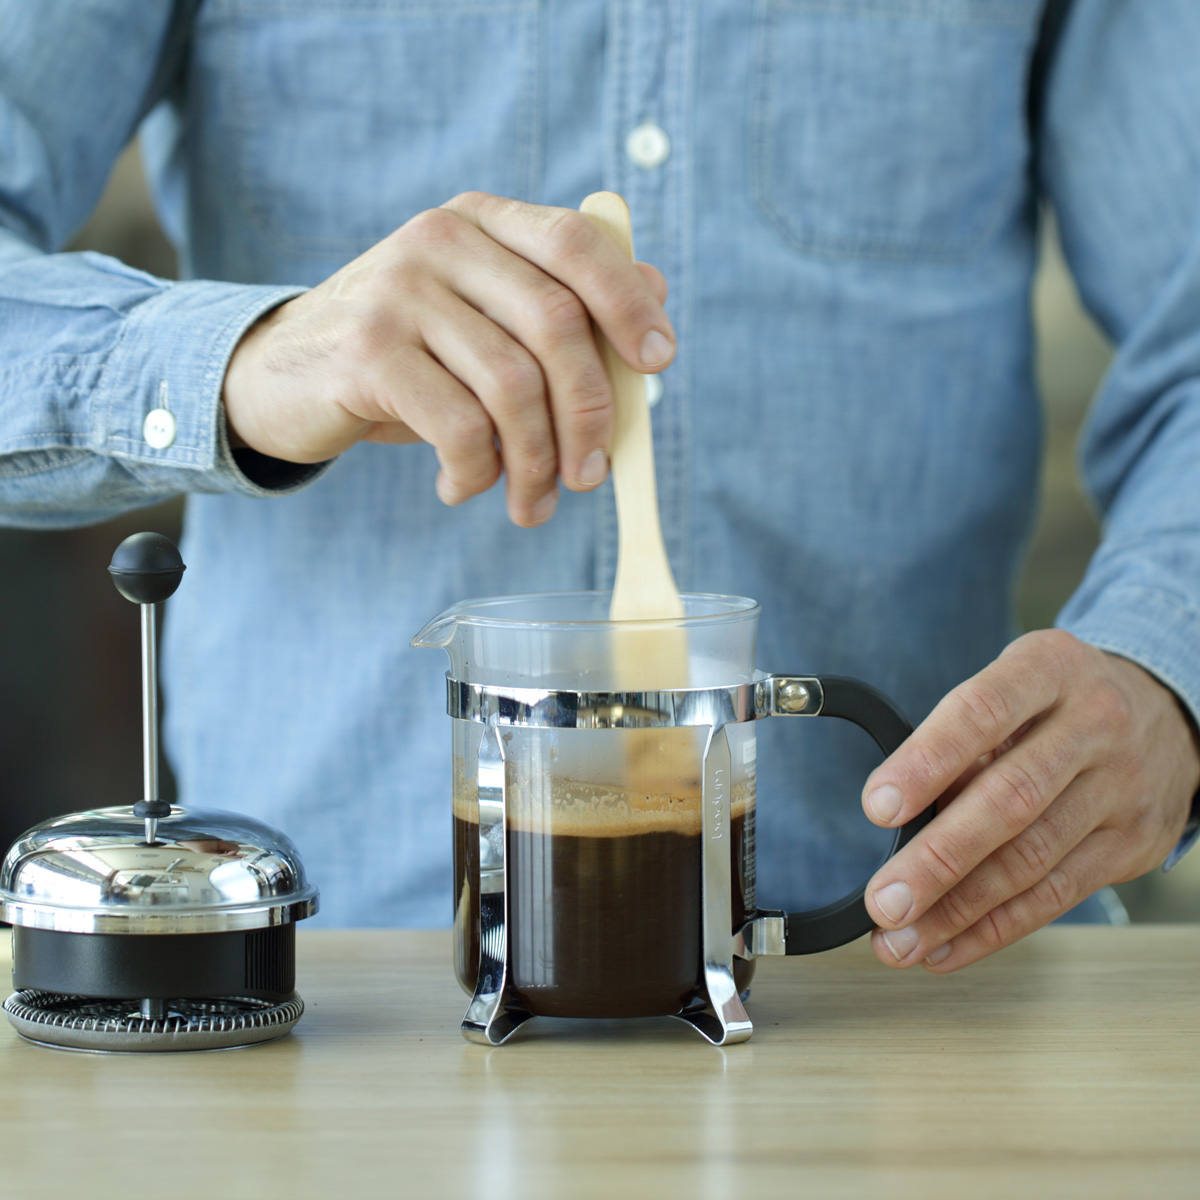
(987, 709)
(590, 404)
(995, 928)
(927, 762)
(1055, 891)
(957, 910)
(530, 456)
(560, 312)
(516, 380)
(469, 428)
(434, 227)
(537, 468)
(627, 309)
(1014, 792)
(587, 425)
(469, 200)
(1030, 855)
(1110, 707)
(1062, 649)
(941, 863)
(569, 234)
(406, 271)
(1058, 656)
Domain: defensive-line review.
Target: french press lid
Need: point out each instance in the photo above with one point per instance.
(207, 871)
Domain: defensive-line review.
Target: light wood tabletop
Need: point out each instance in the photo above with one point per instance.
(1067, 1066)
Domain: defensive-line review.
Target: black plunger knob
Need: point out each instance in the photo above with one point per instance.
(146, 568)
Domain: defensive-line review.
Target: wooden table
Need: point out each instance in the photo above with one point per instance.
(1067, 1066)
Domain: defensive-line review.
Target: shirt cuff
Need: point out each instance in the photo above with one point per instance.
(1160, 631)
(173, 353)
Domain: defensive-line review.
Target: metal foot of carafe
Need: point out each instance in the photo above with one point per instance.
(717, 1014)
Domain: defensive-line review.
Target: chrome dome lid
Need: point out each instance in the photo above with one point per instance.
(208, 871)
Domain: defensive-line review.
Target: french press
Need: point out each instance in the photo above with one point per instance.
(152, 926)
(581, 893)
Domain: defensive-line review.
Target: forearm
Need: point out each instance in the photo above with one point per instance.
(1121, 165)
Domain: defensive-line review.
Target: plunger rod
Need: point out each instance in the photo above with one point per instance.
(146, 569)
(150, 715)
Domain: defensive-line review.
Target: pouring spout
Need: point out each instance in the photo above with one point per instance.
(439, 633)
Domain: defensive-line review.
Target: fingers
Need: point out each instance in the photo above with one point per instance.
(1012, 869)
(509, 385)
(971, 721)
(441, 411)
(1000, 803)
(550, 326)
(1079, 795)
(567, 246)
(1076, 877)
(1001, 817)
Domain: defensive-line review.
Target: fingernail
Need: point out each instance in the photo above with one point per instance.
(656, 349)
(543, 510)
(901, 942)
(593, 469)
(894, 901)
(886, 802)
(939, 955)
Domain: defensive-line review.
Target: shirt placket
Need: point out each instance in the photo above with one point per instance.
(648, 136)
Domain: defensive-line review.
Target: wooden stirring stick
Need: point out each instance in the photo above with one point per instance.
(644, 588)
(645, 657)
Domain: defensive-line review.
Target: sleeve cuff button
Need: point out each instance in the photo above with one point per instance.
(159, 428)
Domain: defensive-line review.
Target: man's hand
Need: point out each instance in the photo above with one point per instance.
(1058, 769)
(468, 328)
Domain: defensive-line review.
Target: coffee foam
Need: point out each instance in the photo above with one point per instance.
(574, 808)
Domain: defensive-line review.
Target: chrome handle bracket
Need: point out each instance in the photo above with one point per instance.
(495, 1011)
(716, 1010)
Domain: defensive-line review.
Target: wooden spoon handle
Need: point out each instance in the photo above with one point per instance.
(644, 587)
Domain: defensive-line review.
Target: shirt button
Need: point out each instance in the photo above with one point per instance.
(159, 428)
(648, 146)
(654, 390)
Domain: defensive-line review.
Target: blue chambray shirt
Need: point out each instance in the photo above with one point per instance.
(844, 207)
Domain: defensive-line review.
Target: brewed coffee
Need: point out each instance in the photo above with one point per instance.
(604, 895)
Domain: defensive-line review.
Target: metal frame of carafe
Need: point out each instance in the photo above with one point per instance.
(715, 1009)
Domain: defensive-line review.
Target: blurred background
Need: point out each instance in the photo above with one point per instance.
(70, 706)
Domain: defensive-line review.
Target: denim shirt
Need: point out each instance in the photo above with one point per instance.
(843, 204)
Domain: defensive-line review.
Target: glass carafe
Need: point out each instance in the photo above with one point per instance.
(604, 854)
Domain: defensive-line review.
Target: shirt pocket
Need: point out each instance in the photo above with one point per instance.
(890, 129)
(338, 120)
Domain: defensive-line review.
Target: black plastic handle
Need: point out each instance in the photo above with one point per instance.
(846, 919)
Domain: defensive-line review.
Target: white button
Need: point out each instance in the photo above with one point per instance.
(654, 390)
(159, 428)
(648, 146)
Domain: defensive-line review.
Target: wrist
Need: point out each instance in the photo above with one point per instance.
(241, 382)
(1164, 710)
(277, 394)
